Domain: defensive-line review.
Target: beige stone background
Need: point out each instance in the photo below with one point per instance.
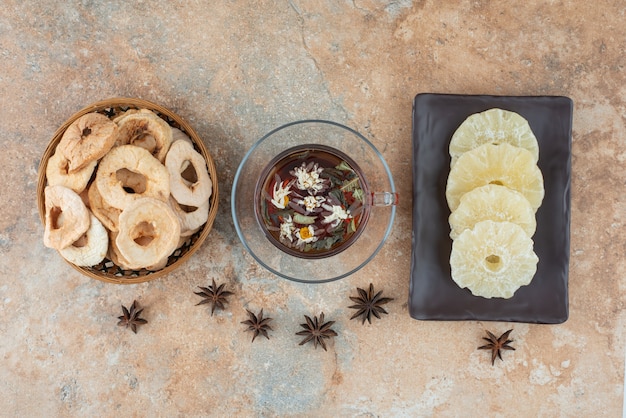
(236, 70)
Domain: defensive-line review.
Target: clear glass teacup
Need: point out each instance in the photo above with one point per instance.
(313, 201)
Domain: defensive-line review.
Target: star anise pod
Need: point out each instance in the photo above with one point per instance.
(496, 344)
(316, 331)
(369, 304)
(257, 324)
(131, 319)
(215, 295)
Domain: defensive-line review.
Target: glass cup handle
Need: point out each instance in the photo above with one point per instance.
(384, 199)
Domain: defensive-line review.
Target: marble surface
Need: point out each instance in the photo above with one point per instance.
(236, 71)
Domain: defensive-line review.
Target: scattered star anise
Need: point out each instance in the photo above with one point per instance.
(131, 319)
(496, 344)
(316, 331)
(215, 295)
(257, 324)
(368, 304)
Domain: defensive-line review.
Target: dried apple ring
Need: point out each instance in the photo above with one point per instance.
(113, 171)
(190, 183)
(87, 139)
(67, 217)
(160, 265)
(107, 214)
(182, 240)
(148, 232)
(84, 196)
(91, 248)
(119, 260)
(131, 180)
(191, 218)
(117, 119)
(146, 130)
(114, 253)
(178, 135)
(57, 173)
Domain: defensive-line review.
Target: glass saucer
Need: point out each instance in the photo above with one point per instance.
(376, 174)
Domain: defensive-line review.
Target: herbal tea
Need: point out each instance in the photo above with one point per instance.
(310, 201)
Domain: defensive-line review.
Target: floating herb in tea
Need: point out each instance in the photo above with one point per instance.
(312, 201)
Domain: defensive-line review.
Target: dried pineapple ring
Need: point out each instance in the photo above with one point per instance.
(148, 232)
(191, 219)
(57, 173)
(493, 260)
(87, 139)
(502, 164)
(139, 161)
(493, 203)
(91, 248)
(147, 130)
(192, 190)
(493, 126)
(67, 217)
(107, 214)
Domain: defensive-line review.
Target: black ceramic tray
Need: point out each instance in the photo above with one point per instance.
(433, 295)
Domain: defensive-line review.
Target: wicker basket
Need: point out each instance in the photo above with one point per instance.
(107, 271)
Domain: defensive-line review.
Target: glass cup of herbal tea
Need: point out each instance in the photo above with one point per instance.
(313, 201)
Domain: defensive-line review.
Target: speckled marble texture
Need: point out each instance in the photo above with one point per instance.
(236, 71)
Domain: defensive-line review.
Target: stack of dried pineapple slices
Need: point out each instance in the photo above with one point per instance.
(494, 190)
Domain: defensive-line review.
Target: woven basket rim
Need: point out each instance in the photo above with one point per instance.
(128, 102)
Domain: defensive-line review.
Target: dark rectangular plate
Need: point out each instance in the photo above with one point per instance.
(433, 295)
